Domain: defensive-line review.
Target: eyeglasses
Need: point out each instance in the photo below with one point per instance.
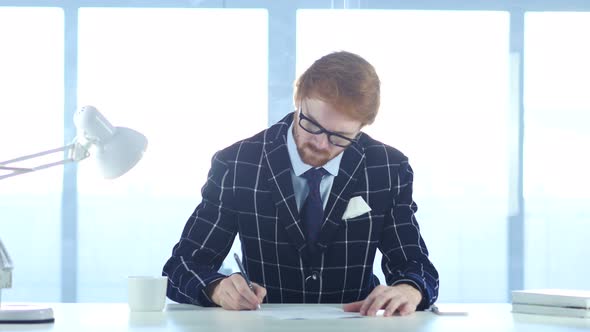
(315, 128)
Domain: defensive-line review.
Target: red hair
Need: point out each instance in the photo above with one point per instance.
(344, 80)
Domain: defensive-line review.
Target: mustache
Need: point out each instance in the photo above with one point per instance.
(316, 151)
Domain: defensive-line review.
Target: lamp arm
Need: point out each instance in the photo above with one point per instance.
(75, 152)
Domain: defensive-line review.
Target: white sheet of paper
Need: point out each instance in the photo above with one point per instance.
(314, 312)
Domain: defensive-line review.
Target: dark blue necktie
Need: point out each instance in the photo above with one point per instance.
(312, 212)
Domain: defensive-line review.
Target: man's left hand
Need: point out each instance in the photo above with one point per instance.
(402, 298)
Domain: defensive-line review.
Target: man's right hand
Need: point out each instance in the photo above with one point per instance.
(233, 293)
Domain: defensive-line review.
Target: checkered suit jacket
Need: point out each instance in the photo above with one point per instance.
(249, 192)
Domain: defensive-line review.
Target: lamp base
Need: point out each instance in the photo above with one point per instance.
(25, 314)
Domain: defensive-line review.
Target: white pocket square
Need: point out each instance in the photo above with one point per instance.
(356, 207)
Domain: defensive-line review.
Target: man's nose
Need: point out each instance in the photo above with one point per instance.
(322, 141)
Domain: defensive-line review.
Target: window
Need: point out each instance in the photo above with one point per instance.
(193, 81)
(444, 104)
(31, 111)
(556, 180)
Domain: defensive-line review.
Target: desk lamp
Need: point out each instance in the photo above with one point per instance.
(115, 149)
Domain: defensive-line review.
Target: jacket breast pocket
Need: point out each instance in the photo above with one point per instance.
(365, 216)
(366, 227)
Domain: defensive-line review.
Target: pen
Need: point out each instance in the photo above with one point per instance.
(241, 267)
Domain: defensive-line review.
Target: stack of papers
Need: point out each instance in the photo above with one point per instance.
(309, 312)
(556, 302)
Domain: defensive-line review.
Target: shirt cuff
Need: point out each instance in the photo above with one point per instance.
(426, 293)
(202, 298)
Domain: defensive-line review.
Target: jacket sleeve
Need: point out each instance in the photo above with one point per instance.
(205, 241)
(405, 256)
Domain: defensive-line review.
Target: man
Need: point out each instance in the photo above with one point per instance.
(312, 199)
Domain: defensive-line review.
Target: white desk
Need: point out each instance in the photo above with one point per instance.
(78, 317)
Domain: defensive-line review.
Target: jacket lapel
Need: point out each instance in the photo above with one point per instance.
(281, 187)
(342, 188)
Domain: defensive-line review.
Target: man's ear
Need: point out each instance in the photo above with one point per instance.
(296, 115)
(297, 104)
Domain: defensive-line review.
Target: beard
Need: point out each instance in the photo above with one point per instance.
(310, 154)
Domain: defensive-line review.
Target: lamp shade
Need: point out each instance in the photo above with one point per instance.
(120, 153)
(115, 149)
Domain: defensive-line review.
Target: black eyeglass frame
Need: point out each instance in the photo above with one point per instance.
(322, 130)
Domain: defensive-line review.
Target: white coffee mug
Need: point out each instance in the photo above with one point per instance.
(146, 293)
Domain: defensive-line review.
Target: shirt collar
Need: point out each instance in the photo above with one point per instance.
(299, 167)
